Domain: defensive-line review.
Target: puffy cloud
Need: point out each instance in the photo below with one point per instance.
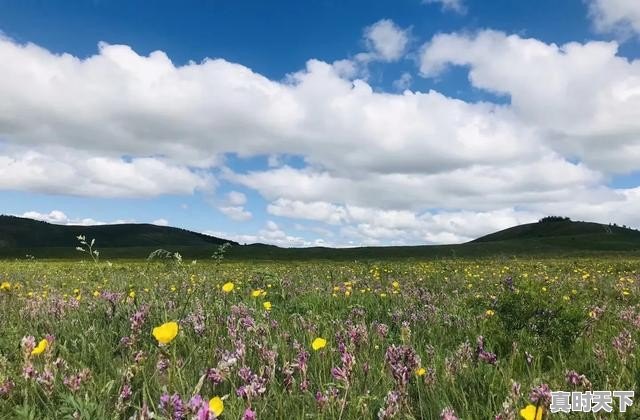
(160, 222)
(384, 167)
(622, 16)
(233, 207)
(457, 6)
(270, 234)
(237, 213)
(236, 198)
(386, 40)
(403, 82)
(583, 99)
(60, 218)
(70, 172)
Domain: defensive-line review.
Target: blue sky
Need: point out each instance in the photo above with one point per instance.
(287, 122)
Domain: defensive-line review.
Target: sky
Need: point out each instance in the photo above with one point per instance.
(321, 122)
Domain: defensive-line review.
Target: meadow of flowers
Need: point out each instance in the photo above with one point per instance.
(448, 339)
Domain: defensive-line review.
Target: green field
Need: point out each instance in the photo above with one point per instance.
(401, 337)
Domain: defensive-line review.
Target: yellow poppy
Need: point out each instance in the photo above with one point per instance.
(165, 333)
(421, 371)
(40, 348)
(227, 287)
(318, 343)
(267, 306)
(216, 406)
(531, 412)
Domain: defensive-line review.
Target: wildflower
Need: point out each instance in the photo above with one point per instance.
(216, 406)
(318, 343)
(40, 348)
(165, 333)
(258, 292)
(541, 395)
(531, 412)
(401, 360)
(391, 406)
(5, 285)
(490, 312)
(448, 414)
(267, 306)
(249, 414)
(421, 371)
(132, 294)
(395, 285)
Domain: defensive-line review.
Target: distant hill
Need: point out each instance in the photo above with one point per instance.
(20, 237)
(564, 230)
(19, 232)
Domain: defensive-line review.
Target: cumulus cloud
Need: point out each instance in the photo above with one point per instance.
(379, 166)
(271, 234)
(386, 40)
(233, 207)
(73, 172)
(60, 218)
(621, 16)
(583, 99)
(456, 6)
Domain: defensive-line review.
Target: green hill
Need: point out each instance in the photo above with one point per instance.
(19, 232)
(20, 237)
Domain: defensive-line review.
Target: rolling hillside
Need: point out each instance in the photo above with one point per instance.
(18, 232)
(20, 237)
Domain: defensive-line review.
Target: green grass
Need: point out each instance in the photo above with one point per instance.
(565, 312)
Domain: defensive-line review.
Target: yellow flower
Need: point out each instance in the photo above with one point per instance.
(256, 293)
(165, 333)
(227, 287)
(5, 285)
(318, 343)
(421, 371)
(40, 348)
(216, 406)
(132, 294)
(566, 298)
(96, 293)
(531, 412)
(267, 306)
(395, 285)
(544, 289)
(490, 312)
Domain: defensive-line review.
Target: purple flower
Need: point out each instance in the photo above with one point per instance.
(249, 414)
(402, 362)
(541, 395)
(448, 414)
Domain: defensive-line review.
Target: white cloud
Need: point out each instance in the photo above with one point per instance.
(457, 6)
(384, 167)
(622, 16)
(71, 172)
(583, 100)
(270, 234)
(237, 213)
(403, 82)
(236, 198)
(160, 222)
(60, 218)
(386, 40)
(233, 207)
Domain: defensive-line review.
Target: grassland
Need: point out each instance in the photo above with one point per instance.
(404, 340)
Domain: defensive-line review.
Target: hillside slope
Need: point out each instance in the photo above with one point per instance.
(20, 237)
(18, 232)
